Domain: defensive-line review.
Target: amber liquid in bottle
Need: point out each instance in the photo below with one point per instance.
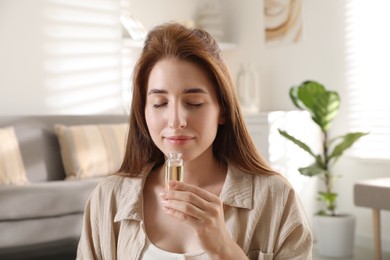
(174, 168)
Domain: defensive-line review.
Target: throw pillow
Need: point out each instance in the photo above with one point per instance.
(91, 150)
(12, 170)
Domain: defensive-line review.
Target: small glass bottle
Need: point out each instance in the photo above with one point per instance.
(174, 168)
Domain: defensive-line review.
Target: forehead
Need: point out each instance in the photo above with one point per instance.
(173, 73)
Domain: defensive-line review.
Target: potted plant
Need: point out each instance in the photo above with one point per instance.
(323, 106)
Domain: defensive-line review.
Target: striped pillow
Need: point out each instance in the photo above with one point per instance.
(91, 150)
(12, 170)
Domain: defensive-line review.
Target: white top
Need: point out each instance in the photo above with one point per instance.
(152, 252)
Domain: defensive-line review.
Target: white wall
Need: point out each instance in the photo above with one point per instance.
(21, 55)
(320, 56)
(60, 57)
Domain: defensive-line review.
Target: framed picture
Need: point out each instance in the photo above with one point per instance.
(283, 21)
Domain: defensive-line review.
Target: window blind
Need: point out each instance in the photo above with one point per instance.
(368, 70)
(82, 56)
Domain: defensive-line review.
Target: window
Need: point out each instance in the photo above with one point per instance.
(368, 69)
(82, 56)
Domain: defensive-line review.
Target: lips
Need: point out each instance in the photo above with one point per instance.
(179, 139)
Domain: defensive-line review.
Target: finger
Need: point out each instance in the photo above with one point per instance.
(183, 210)
(186, 196)
(181, 186)
(182, 200)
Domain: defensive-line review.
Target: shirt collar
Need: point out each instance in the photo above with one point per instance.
(130, 204)
(237, 191)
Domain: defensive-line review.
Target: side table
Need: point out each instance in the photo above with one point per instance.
(374, 194)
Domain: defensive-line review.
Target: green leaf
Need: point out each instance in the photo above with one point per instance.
(294, 98)
(347, 141)
(297, 142)
(328, 197)
(322, 104)
(312, 170)
(325, 109)
(321, 213)
(320, 162)
(308, 92)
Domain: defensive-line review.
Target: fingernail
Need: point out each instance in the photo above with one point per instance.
(163, 195)
(172, 184)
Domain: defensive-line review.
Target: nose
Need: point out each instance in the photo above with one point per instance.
(177, 118)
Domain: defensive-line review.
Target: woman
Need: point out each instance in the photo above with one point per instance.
(231, 205)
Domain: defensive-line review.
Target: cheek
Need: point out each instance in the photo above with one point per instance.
(207, 122)
(150, 121)
(154, 122)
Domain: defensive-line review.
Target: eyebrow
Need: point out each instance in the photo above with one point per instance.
(186, 91)
(194, 90)
(157, 91)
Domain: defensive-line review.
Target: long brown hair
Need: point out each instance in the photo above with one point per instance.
(232, 144)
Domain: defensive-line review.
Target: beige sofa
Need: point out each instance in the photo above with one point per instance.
(49, 208)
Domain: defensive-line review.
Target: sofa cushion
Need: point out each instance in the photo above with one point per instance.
(91, 150)
(12, 170)
(46, 199)
(39, 144)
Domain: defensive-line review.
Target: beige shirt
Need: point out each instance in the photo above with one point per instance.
(263, 215)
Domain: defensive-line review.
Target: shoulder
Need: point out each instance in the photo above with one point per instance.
(258, 189)
(260, 182)
(275, 189)
(115, 186)
(273, 183)
(110, 183)
(115, 198)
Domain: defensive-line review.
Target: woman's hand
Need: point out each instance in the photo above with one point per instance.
(203, 211)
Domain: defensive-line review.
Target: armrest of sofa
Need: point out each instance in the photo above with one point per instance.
(47, 199)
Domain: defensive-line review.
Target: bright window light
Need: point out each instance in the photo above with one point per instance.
(368, 69)
(83, 56)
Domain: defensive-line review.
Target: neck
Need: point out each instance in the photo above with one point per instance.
(204, 171)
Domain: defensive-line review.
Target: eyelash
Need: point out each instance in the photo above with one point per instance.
(189, 104)
(195, 105)
(158, 105)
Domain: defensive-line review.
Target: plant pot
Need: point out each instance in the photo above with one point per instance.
(335, 235)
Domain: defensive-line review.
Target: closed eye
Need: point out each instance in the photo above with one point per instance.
(195, 104)
(159, 105)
